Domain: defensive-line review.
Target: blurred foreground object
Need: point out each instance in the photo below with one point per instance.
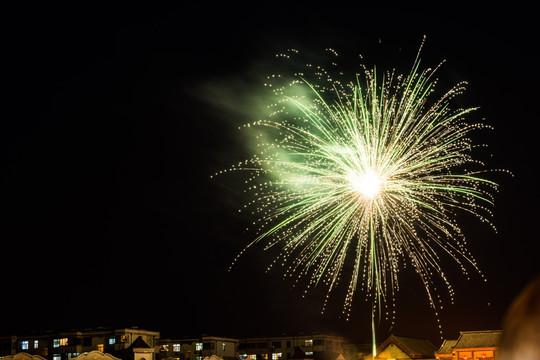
(521, 328)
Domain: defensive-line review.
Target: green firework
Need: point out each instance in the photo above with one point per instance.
(376, 169)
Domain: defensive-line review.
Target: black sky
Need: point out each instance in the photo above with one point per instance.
(110, 217)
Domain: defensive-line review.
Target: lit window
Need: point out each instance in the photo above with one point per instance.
(57, 357)
(253, 356)
(243, 356)
(309, 353)
(223, 346)
(198, 346)
(308, 342)
(24, 345)
(176, 347)
(36, 344)
(99, 348)
(264, 356)
(60, 342)
(112, 340)
(165, 347)
(276, 356)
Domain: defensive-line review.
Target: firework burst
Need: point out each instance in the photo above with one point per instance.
(375, 169)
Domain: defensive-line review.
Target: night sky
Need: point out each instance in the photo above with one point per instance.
(114, 121)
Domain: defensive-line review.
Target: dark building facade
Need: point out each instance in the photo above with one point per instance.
(70, 344)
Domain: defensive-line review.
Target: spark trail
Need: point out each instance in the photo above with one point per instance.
(374, 167)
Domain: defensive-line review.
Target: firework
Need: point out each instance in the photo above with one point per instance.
(374, 168)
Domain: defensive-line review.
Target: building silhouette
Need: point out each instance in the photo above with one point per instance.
(66, 345)
(139, 344)
(471, 345)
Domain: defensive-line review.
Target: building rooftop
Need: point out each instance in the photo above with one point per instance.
(446, 347)
(414, 347)
(139, 343)
(475, 339)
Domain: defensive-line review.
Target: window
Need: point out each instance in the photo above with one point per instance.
(208, 346)
(57, 357)
(60, 342)
(112, 340)
(198, 346)
(318, 342)
(264, 356)
(165, 347)
(99, 348)
(261, 345)
(124, 338)
(288, 344)
(308, 342)
(276, 356)
(24, 345)
(253, 356)
(222, 346)
(309, 353)
(176, 347)
(36, 344)
(276, 344)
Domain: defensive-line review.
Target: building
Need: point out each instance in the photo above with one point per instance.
(315, 346)
(357, 351)
(198, 348)
(23, 356)
(445, 351)
(400, 347)
(471, 345)
(95, 355)
(70, 344)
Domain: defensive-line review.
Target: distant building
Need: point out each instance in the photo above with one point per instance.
(445, 351)
(357, 351)
(23, 356)
(316, 346)
(95, 355)
(471, 345)
(198, 348)
(400, 347)
(70, 344)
